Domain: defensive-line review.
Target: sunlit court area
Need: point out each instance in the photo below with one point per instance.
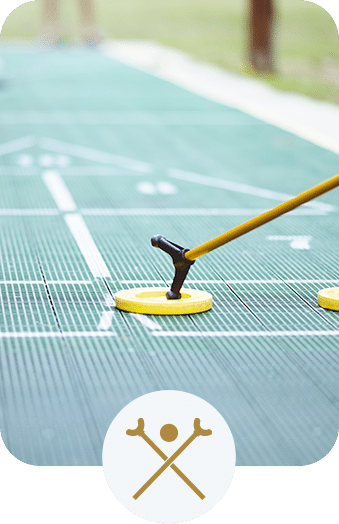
(121, 120)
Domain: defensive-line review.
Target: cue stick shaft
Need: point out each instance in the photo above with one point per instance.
(262, 219)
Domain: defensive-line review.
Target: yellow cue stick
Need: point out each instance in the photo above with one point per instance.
(262, 219)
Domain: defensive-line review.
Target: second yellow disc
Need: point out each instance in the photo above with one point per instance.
(329, 298)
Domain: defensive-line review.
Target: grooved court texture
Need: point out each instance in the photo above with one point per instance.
(95, 158)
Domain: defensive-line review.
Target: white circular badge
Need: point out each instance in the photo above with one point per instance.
(169, 456)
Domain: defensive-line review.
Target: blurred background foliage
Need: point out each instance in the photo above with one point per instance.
(305, 38)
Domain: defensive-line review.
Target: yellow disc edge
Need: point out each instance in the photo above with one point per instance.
(199, 302)
(329, 298)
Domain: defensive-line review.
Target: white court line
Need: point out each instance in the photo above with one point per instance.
(244, 334)
(167, 188)
(146, 188)
(59, 191)
(46, 160)
(273, 281)
(241, 188)
(86, 245)
(25, 160)
(28, 282)
(57, 334)
(94, 155)
(296, 241)
(17, 145)
(106, 320)
(76, 224)
(162, 282)
(109, 300)
(99, 170)
(158, 212)
(147, 322)
(17, 171)
(192, 212)
(287, 237)
(28, 212)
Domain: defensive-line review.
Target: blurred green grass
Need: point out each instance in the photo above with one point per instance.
(306, 39)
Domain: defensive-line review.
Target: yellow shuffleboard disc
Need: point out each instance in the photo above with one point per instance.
(329, 298)
(153, 301)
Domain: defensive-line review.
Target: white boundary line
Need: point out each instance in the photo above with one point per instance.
(315, 121)
(16, 145)
(87, 245)
(242, 281)
(244, 334)
(94, 155)
(241, 188)
(57, 334)
(159, 333)
(194, 212)
(100, 170)
(59, 191)
(158, 212)
(29, 282)
(288, 237)
(28, 212)
(76, 224)
(109, 300)
(106, 320)
(296, 241)
(147, 322)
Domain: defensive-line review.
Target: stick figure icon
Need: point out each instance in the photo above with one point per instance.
(168, 433)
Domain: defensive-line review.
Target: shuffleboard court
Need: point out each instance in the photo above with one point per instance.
(97, 157)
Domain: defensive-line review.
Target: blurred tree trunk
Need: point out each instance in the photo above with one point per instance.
(261, 34)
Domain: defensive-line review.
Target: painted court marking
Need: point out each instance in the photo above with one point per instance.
(190, 212)
(39, 282)
(17, 145)
(166, 188)
(46, 160)
(25, 160)
(147, 322)
(106, 320)
(72, 149)
(236, 281)
(59, 191)
(14, 171)
(76, 224)
(109, 300)
(28, 212)
(99, 170)
(296, 242)
(158, 212)
(57, 334)
(95, 155)
(87, 245)
(148, 188)
(241, 188)
(231, 334)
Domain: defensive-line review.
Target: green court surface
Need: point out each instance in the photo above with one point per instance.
(96, 158)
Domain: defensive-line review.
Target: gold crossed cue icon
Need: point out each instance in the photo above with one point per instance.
(168, 433)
